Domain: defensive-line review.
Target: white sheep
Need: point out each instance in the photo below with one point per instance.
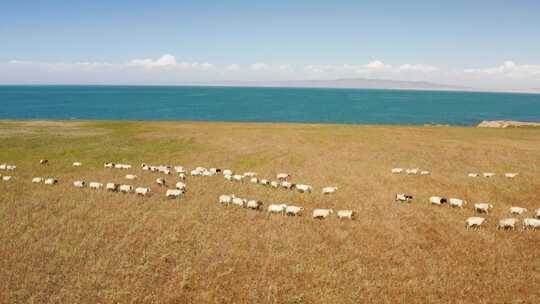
(11, 168)
(264, 182)
(43, 161)
(510, 175)
(425, 172)
(473, 175)
(437, 200)
(142, 191)
(180, 186)
(226, 199)
(397, 170)
(240, 202)
(250, 174)
(77, 164)
(179, 169)
(195, 173)
(6, 178)
(3, 167)
(346, 214)
(531, 223)
(412, 171)
(131, 176)
(294, 210)
(303, 188)
(507, 223)
(182, 176)
(238, 178)
(113, 187)
(228, 177)
(482, 207)
(160, 181)
(287, 185)
(488, 174)
(322, 213)
(456, 202)
(126, 188)
(227, 172)
(402, 197)
(329, 190)
(277, 208)
(108, 165)
(95, 185)
(51, 181)
(79, 184)
(254, 204)
(474, 222)
(274, 184)
(283, 176)
(517, 210)
(254, 180)
(174, 193)
(37, 180)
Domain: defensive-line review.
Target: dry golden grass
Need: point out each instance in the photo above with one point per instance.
(66, 245)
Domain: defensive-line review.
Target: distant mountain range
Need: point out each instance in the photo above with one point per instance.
(350, 83)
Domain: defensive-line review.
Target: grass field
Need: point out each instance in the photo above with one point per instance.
(60, 244)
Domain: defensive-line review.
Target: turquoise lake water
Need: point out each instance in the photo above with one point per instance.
(264, 104)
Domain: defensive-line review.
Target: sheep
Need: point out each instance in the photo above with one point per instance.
(131, 176)
(214, 171)
(122, 166)
(228, 177)
(238, 178)
(482, 208)
(126, 188)
(412, 171)
(160, 181)
(283, 176)
(473, 175)
(166, 171)
(195, 173)
(51, 181)
(425, 172)
(507, 223)
(437, 200)
(274, 184)
(77, 164)
(294, 210)
(226, 199)
(456, 202)
(179, 169)
(227, 172)
(488, 174)
(401, 197)
(250, 174)
(254, 180)
(254, 204)
(180, 186)
(264, 182)
(3, 167)
(303, 188)
(240, 202)
(537, 213)
(173, 193)
(11, 167)
(112, 187)
(142, 191)
(43, 161)
(322, 213)
(145, 167)
(277, 208)
(37, 180)
(346, 214)
(182, 176)
(517, 210)
(511, 175)
(287, 185)
(474, 222)
(79, 184)
(329, 190)
(108, 165)
(531, 223)
(397, 170)
(208, 173)
(6, 178)
(95, 185)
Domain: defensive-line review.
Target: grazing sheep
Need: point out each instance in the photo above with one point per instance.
(108, 165)
(160, 182)
(208, 173)
(277, 208)
(126, 188)
(401, 197)
(287, 185)
(228, 177)
(425, 172)
(254, 180)
(473, 175)
(95, 185)
(6, 178)
(37, 180)
(122, 166)
(182, 176)
(474, 222)
(173, 193)
(283, 176)
(131, 176)
(79, 184)
(181, 186)
(77, 164)
(3, 167)
(264, 182)
(250, 174)
(507, 223)
(254, 204)
(142, 191)
(517, 210)
(412, 171)
(456, 202)
(195, 173)
(511, 175)
(294, 210)
(145, 167)
(179, 169)
(226, 199)
(329, 190)
(43, 161)
(51, 181)
(227, 172)
(437, 200)
(11, 167)
(531, 223)
(214, 171)
(322, 213)
(238, 178)
(346, 214)
(482, 208)
(240, 202)
(113, 187)
(397, 170)
(488, 174)
(303, 188)
(274, 184)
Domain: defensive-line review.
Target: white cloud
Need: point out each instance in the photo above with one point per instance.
(260, 66)
(232, 68)
(418, 68)
(508, 69)
(377, 65)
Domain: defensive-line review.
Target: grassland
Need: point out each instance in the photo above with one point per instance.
(65, 245)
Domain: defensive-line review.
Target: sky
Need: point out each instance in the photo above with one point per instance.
(484, 44)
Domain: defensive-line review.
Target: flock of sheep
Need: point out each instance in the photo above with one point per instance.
(476, 221)
(282, 181)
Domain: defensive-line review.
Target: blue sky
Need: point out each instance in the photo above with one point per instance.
(484, 43)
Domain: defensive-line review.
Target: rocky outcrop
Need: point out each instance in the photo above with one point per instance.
(506, 124)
